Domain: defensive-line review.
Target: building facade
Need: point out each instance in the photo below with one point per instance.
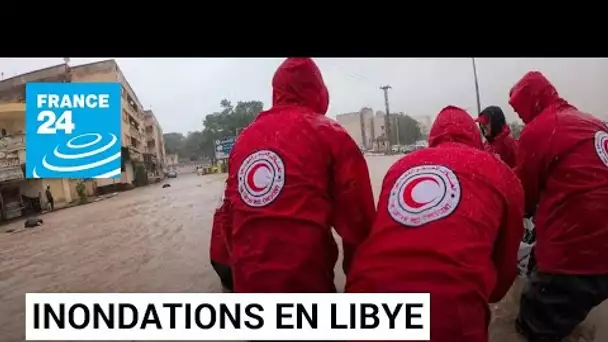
(368, 129)
(154, 157)
(137, 139)
(361, 126)
(18, 195)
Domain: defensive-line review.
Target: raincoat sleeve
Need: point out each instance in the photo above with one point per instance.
(220, 231)
(353, 199)
(507, 244)
(532, 162)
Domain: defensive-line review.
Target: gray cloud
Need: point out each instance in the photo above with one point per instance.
(182, 91)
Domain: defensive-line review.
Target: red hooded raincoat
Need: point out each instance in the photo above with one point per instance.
(218, 249)
(294, 174)
(504, 146)
(563, 167)
(449, 222)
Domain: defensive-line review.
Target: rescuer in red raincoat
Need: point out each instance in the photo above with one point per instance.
(449, 223)
(218, 249)
(498, 135)
(563, 167)
(293, 175)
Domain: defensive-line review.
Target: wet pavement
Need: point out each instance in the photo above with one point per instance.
(146, 240)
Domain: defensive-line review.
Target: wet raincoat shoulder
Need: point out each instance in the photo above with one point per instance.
(504, 146)
(449, 222)
(293, 175)
(563, 167)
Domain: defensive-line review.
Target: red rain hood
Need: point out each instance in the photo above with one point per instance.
(454, 124)
(532, 95)
(298, 81)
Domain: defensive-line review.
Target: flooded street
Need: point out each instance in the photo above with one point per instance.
(145, 240)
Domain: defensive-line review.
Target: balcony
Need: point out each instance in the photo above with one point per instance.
(135, 132)
(150, 158)
(132, 110)
(135, 154)
(12, 144)
(12, 156)
(151, 144)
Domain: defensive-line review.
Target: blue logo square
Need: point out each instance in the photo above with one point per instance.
(72, 130)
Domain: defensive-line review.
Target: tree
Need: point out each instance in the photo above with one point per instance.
(408, 127)
(193, 146)
(516, 128)
(174, 142)
(219, 125)
(226, 123)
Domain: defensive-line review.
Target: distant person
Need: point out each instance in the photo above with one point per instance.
(497, 132)
(218, 249)
(49, 198)
(293, 175)
(449, 223)
(563, 167)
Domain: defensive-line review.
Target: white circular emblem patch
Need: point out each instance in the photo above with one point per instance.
(261, 178)
(601, 146)
(424, 194)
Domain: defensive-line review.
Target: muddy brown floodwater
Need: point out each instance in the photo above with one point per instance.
(152, 240)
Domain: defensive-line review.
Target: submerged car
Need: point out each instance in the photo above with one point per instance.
(171, 174)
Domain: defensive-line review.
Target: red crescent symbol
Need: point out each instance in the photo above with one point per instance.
(251, 174)
(407, 192)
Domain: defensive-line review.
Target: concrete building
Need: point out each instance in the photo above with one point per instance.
(368, 129)
(17, 194)
(135, 138)
(359, 126)
(154, 157)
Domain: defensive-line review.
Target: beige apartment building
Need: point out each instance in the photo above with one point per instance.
(142, 141)
(155, 149)
(368, 129)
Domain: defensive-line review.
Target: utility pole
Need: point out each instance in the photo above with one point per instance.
(68, 70)
(387, 122)
(397, 117)
(476, 86)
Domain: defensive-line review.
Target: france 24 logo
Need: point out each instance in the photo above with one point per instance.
(72, 130)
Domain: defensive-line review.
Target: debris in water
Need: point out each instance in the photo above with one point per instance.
(166, 185)
(33, 222)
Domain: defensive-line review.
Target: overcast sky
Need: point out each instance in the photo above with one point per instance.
(182, 91)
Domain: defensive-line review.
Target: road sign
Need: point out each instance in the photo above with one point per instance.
(223, 148)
